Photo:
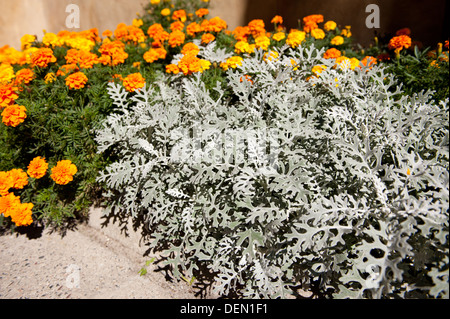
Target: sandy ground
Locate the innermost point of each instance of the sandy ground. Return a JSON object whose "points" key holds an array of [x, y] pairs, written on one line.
{"points": [[91, 262]]}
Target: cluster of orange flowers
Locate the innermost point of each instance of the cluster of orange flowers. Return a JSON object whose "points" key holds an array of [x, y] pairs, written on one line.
{"points": [[10, 204]]}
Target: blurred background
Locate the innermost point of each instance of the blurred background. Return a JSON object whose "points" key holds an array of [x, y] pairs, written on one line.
{"points": [[428, 20]]}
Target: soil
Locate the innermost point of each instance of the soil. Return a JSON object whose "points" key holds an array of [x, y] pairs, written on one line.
{"points": [[95, 260]]}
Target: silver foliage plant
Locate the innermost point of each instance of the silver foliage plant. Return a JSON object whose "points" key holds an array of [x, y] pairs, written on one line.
{"points": [[336, 182]]}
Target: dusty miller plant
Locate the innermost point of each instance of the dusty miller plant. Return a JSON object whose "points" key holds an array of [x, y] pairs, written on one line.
{"points": [[337, 181]]}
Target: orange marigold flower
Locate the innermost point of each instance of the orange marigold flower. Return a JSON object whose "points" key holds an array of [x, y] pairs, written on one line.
{"points": [[369, 61], [332, 53], [66, 69], [107, 33], [172, 68], [7, 95], [8, 202], [190, 48], [177, 25], [42, 57], [154, 29], [256, 27], [193, 28], [37, 167], [113, 53], [129, 33], [21, 214], [311, 22], [63, 172], [155, 54], [179, 15], [13, 115], [241, 33], [317, 18], [76, 81], [400, 42], [201, 12], [24, 76], [176, 38], [215, 24], [277, 19], [133, 82], [18, 178], [5, 183], [189, 64], [85, 59], [207, 38]]}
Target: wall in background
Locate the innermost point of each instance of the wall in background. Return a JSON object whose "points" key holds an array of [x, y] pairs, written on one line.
{"points": [[428, 20]]}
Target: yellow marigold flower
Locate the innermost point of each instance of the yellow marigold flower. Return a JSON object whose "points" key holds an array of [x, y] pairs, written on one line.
{"points": [[5, 183], [51, 39], [179, 15], [346, 32], [279, 36], [6, 73], [76, 81], [318, 34], [295, 38], [37, 167], [330, 25], [244, 47], [50, 77], [176, 38], [13, 115], [318, 69], [24, 76], [201, 12], [21, 214], [133, 82], [155, 1], [346, 63], [42, 57], [262, 42], [332, 53], [18, 178], [277, 20], [26, 41], [137, 22], [207, 38], [7, 95], [337, 40], [165, 12], [270, 56], [155, 54], [8, 202], [63, 172], [232, 62]]}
